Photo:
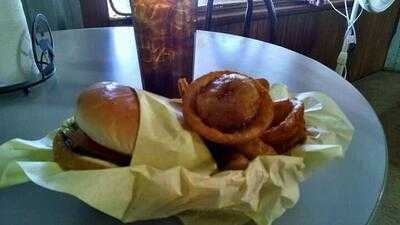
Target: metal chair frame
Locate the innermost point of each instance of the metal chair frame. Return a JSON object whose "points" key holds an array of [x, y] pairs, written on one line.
{"points": [[248, 17]]}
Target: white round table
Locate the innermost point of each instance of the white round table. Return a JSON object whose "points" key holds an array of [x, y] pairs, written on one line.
{"points": [[346, 192]]}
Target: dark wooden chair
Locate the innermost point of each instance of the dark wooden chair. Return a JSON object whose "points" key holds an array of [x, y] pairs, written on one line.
{"points": [[248, 17]]}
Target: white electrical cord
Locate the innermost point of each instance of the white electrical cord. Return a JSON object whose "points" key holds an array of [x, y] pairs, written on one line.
{"points": [[346, 9], [351, 25], [349, 37], [348, 19], [337, 10]]}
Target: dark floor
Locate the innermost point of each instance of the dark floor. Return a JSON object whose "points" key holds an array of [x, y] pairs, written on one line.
{"points": [[382, 90]]}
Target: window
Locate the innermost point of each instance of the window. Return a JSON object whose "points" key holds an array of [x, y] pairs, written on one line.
{"points": [[121, 8]]}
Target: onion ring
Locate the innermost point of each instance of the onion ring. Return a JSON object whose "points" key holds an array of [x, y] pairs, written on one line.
{"points": [[252, 130], [284, 147], [183, 85], [254, 148], [289, 132], [282, 108], [234, 161], [263, 82]]}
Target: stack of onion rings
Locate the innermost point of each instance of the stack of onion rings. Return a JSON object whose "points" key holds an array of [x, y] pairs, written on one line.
{"points": [[278, 126]]}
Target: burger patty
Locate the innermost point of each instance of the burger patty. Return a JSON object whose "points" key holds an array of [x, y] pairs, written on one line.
{"points": [[76, 140]]}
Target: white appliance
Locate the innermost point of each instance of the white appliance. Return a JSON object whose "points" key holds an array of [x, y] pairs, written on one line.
{"points": [[17, 65], [374, 6]]}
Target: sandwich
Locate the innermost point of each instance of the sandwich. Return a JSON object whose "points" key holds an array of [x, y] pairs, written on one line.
{"points": [[104, 129]]}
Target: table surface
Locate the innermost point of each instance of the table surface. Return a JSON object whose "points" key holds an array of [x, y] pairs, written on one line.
{"points": [[345, 192]]}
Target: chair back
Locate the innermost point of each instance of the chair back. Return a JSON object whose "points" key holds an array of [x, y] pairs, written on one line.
{"points": [[271, 14]]}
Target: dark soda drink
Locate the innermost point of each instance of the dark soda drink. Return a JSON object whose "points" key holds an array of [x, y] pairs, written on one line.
{"points": [[165, 35]]}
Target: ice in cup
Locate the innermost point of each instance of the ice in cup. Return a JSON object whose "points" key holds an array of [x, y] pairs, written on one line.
{"points": [[164, 32]]}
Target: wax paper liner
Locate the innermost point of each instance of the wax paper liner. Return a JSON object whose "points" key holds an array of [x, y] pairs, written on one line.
{"points": [[172, 172]]}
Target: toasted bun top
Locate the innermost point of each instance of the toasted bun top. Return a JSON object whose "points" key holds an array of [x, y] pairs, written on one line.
{"points": [[109, 114]]}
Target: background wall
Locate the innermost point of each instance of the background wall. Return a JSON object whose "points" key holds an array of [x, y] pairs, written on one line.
{"points": [[316, 32], [319, 34]]}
